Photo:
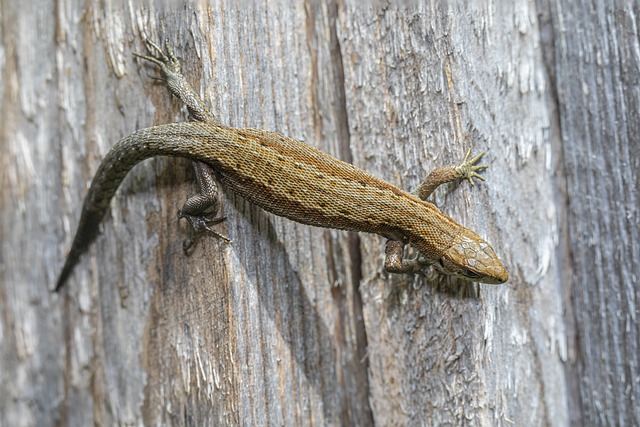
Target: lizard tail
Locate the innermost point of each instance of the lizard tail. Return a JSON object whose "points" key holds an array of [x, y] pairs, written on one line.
{"points": [[87, 232], [172, 140]]}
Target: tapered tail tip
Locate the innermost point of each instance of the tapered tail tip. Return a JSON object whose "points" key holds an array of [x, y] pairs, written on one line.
{"points": [[64, 274]]}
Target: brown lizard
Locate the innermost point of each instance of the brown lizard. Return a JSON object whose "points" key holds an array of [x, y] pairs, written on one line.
{"points": [[294, 180]]}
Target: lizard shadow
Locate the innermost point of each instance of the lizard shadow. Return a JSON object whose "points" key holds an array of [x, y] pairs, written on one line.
{"points": [[289, 303], [286, 300], [316, 364], [455, 288], [419, 292], [258, 223]]}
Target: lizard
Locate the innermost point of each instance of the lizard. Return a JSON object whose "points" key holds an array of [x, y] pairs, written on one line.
{"points": [[291, 179]]}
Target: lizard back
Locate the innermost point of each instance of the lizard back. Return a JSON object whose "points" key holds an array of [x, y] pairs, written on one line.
{"points": [[294, 180]]}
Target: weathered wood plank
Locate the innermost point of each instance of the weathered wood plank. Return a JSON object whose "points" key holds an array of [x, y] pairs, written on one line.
{"points": [[442, 79], [597, 66], [269, 327], [296, 325]]}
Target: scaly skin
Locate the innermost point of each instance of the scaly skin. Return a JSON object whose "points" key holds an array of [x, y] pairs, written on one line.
{"points": [[294, 180]]}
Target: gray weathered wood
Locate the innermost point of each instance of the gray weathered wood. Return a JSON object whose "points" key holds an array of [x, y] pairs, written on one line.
{"points": [[269, 327], [596, 61], [290, 324], [441, 80]]}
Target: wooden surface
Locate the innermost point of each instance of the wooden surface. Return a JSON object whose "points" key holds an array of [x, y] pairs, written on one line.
{"points": [[293, 325], [597, 68]]}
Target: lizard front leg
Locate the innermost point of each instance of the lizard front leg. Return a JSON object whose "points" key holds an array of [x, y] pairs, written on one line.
{"points": [[199, 210], [394, 261], [466, 169]]}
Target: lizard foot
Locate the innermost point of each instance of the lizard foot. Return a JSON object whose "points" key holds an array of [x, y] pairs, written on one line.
{"points": [[467, 169], [395, 262], [168, 63], [199, 225]]}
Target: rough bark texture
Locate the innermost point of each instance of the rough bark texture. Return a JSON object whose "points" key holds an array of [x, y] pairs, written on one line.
{"points": [[443, 80], [596, 63], [293, 325]]}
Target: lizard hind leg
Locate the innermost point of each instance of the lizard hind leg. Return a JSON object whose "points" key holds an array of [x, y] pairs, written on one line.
{"points": [[200, 210]]}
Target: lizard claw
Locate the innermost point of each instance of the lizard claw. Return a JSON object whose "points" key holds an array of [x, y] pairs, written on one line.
{"points": [[200, 224], [467, 168], [168, 62]]}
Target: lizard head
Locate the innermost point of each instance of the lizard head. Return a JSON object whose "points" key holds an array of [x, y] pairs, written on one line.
{"points": [[471, 258]]}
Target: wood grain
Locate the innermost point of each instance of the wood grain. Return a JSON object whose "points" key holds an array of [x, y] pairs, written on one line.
{"points": [[294, 325], [597, 70]]}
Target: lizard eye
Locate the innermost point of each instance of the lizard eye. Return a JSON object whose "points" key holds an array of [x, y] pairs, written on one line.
{"points": [[471, 274]]}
